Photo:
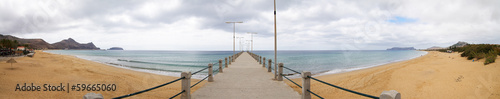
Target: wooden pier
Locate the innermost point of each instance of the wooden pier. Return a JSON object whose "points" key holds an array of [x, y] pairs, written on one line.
{"points": [[245, 78]]}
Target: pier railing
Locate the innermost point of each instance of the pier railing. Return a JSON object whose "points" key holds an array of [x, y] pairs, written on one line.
{"points": [[186, 78], [306, 81]]}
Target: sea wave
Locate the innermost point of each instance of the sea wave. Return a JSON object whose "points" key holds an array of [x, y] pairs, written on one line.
{"points": [[154, 63], [136, 67], [335, 71]]}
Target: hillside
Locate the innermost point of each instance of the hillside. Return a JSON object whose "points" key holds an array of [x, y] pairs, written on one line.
{"points": [[72, 44], [489, 52], [435, 48], [402, 48], [41, 44], [33, 43]]}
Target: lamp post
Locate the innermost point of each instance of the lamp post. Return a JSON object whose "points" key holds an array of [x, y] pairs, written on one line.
{"points": [[251, 34], [248, 45], [275, 55], [234, 32], [241, 44]]}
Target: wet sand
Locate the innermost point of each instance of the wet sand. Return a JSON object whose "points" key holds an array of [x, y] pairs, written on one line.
{"points": [[53, 69], [436, 75]]}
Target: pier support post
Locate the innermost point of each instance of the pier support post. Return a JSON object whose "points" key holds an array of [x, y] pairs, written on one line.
{"points": [[220, 66], [280, 72], [392, 94], [225, 62], [260, 59], [186, 85], [232, 58], [275, 70], [264, 62], [306, 85], [269, 69], [229, 60], [210, 73]]}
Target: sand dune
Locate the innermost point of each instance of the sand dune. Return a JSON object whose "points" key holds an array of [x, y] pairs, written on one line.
{"points": [[433, 76], [46, 68]]}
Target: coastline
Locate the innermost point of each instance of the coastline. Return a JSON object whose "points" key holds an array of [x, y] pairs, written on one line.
{"points": [[128, 67], [337, 71], [47, 68], [111, 61], [434, 75]]}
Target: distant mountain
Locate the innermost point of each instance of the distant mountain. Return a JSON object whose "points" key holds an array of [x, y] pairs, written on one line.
{"points": [[115, 48], [72, 44], [33, 43], [402, 48], [435, 48], [459, 44], [41, 44]]}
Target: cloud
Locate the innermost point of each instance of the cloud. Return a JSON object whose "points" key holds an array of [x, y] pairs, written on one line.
{"points": [[199, 25]]}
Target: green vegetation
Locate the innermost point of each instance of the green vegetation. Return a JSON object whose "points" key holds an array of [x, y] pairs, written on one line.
{"points": [[6, 43], [478, 51], [9, 47], [491, 56]]}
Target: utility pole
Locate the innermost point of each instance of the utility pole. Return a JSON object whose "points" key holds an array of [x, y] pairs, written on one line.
{"points": [[241, 44], [248, 45], [234, 32], [251, 34], [275, 55]]}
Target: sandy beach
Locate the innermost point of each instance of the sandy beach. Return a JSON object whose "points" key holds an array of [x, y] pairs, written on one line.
{"points": [[46, 68], [436, 75]]}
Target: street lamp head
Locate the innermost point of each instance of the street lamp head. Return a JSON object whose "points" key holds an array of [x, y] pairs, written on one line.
{"points": [[234, 22]]}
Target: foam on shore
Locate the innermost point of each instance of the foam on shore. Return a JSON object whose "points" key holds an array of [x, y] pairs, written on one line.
{"points": [[335, 71]]}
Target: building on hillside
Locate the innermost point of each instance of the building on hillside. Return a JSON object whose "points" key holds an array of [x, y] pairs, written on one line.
{"points": [[21, 48]]}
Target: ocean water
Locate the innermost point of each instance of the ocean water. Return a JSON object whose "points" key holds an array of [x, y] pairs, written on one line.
{"points": [[172, 63], [337, 61]]}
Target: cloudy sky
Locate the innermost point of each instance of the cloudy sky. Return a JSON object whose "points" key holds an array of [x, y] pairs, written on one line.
{"points": [[301, 24]]}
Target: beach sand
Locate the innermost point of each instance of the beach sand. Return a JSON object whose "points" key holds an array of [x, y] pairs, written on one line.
{"points": [[436, 75], [46, 68]]}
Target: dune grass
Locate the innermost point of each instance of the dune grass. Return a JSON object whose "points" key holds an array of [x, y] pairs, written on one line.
{"points": [[489, 52]]}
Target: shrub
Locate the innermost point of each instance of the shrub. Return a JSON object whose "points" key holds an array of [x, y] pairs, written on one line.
{"points": [[470, 57], [479, 56], [442, 50], [498, 51], [491, 57], [465, 53], [479, 51]]}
